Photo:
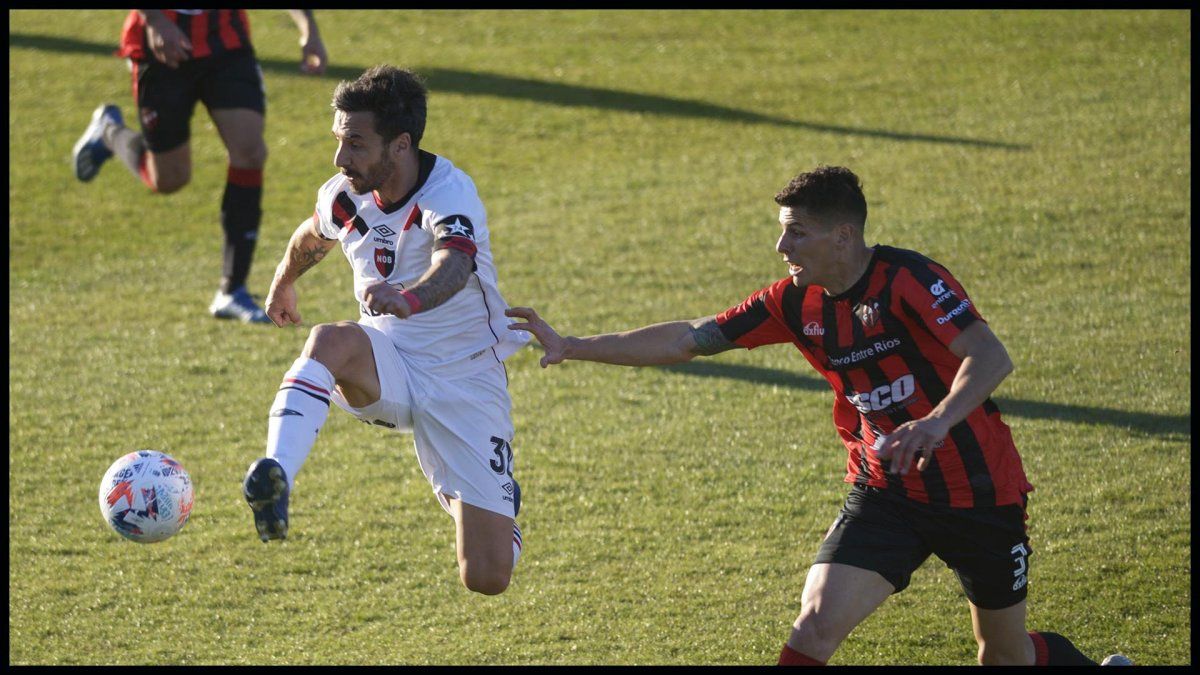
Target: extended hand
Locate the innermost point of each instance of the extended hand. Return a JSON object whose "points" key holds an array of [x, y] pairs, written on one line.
{"points": [[909, 440], [281, 305], [312, 55], [168, 44], [554, 344]]}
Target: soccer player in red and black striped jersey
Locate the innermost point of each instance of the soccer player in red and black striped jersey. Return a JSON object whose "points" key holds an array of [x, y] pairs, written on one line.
{"points": [[932, 466], [179, 57]]}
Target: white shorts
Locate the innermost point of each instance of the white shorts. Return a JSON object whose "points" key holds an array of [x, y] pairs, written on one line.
{"points": [[462, 426]]}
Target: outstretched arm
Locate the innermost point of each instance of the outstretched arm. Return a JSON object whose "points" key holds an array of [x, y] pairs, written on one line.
{"points": [[305, 249], [655, 345], [312, 50]]}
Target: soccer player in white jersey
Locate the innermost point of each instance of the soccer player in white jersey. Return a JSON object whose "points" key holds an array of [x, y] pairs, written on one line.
{"points": [[427, 352]]}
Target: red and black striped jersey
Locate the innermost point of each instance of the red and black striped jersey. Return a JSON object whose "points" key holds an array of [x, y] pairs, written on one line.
{"points": [[883, 345], [211, 31]]}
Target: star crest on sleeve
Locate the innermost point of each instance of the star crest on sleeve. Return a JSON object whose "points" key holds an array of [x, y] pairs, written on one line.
{"points": [[457, 226]]}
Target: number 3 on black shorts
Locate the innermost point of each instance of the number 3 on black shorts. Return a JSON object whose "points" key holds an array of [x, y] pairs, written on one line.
{"points": [[1020, 553]]}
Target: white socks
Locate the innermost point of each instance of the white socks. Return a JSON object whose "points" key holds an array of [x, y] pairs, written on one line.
{"points": [[518, 542], [299, 411]]}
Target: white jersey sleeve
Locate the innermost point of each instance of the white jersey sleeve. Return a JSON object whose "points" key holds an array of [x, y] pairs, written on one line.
{"points": [[323, 212], [453, 215]]}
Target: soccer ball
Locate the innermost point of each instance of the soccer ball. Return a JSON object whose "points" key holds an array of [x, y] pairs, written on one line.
{"points": [[146, 496]]}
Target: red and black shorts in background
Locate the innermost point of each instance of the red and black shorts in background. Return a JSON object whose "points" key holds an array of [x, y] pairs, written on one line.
{"points": [[166, 97], [987, 547]]}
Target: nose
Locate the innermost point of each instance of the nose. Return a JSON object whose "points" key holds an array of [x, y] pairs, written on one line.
{"points": [[341, 158], [783, 246]]}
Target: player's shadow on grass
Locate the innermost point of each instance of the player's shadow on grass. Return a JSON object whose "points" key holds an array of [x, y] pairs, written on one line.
{"points": [[472, 83], [572, 95], [1172, 427]]}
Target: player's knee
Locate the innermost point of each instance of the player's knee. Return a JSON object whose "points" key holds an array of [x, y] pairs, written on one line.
{"points": [[333, 344], [987, 656], [815, 636], [166, 179], [484, 577], [483, 572], [249, 155], [170, 182]]}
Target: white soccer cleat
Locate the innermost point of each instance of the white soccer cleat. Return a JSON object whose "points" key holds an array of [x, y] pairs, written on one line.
{"points": [[1116, 660], [90, 151]]}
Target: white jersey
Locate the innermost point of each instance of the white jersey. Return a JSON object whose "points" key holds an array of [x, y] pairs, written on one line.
{"points": [[396, 243]]}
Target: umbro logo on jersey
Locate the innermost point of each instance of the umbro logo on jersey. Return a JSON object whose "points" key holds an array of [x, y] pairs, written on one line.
{"points": [[812, 328], [384, 231], [455, 226]]}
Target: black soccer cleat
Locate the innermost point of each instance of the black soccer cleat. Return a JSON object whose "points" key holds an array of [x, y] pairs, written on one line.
{"points": [[266, 490]]}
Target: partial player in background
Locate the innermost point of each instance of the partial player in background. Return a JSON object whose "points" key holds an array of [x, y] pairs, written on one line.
{"points": [[913, 365], [179, 57], [427, 353]]}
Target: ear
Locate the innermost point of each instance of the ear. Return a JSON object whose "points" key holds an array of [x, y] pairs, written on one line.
{"points": [[401, 143], [843, 234]]}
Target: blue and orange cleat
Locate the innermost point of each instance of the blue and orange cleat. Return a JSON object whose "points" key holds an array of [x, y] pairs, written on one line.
{"points": [[266, 490], [90, 151]]}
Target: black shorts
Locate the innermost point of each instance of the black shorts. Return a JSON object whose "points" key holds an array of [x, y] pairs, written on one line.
{"points": [[987, 548], [166, 97]]}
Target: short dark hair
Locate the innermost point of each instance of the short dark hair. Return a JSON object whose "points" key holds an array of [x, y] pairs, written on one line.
{"points": [[396, 97], [827, 192]]}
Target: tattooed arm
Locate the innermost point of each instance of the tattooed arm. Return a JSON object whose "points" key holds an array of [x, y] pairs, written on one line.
{"points": [[306, 248], [446, 276], [656, 345]]}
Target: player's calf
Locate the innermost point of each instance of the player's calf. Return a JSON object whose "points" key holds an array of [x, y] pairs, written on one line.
{"points": [[814, 637], [1006, 653]]}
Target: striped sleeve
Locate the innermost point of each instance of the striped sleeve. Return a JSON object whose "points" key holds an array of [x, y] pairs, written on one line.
{"points": [[323, 213], [933, 297], [753, 323]]}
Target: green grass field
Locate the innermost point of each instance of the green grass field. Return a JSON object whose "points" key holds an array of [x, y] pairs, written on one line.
{"points": [[628, 162]]}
